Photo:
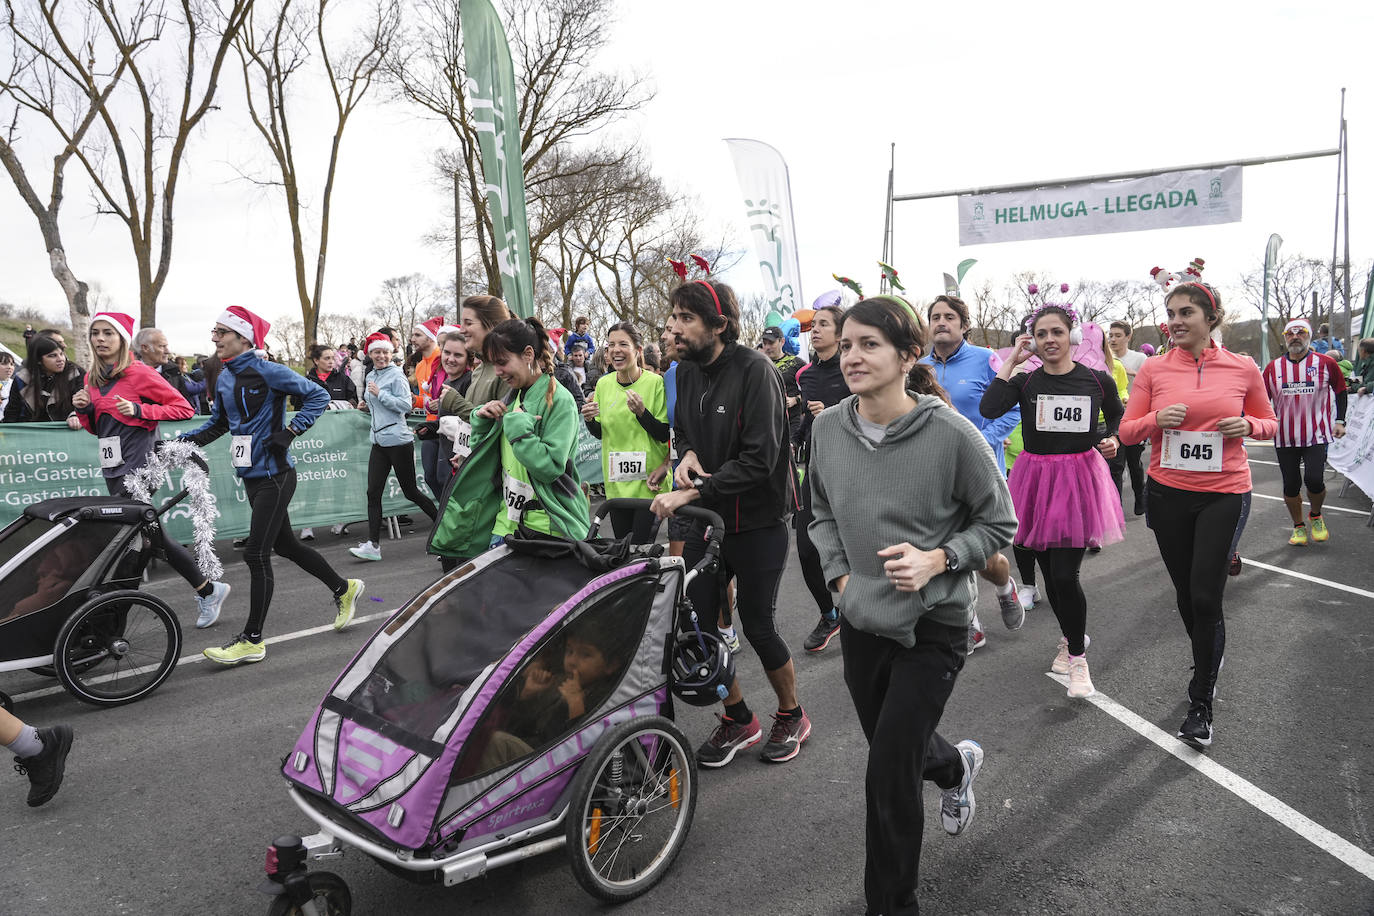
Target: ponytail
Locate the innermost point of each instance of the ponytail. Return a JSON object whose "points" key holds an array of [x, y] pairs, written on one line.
{"points": [[515, 335], [921, 379]]}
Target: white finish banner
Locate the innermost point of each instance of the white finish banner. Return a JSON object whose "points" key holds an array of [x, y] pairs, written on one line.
{"points": [[767, 193], [1353, 454], [1201, 197]]}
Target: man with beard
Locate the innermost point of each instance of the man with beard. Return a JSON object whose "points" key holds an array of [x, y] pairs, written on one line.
{"points": [[731, 435]]}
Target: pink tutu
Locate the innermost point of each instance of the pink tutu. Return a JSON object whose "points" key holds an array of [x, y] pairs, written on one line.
{"points": [[1065, 501]]}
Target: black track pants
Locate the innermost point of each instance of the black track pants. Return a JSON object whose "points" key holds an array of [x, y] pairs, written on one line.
{"points": [[380, 463]]}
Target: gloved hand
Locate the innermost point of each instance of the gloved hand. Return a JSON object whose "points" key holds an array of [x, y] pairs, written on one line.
{"points": [[282, 438]]}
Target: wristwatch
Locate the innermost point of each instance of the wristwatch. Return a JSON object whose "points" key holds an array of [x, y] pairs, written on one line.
{"points": [[951, 559]]}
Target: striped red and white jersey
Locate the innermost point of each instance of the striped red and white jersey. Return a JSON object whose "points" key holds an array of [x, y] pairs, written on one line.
{"points": [[1303, 392]]}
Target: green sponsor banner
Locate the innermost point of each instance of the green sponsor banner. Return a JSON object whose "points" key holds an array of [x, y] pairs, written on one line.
{"points": [[495, 109], [588, 459], [41, 461]]}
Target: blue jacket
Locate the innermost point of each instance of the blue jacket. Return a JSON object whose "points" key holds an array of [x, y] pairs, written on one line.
{"points": [[389, 407], [574, 337], [966, 375], [250, 400]]}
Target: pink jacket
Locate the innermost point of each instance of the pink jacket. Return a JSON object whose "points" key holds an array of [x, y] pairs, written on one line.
{"points": [[145, 386], [1221, 384]]}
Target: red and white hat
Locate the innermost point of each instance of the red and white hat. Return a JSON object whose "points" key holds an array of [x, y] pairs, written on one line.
{"points": [[245, 324], [431, 328], [377, 340], [450, 329], [122, 323]]}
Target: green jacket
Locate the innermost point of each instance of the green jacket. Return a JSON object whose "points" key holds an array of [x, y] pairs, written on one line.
{"points": [[1364, 370], [545, 444]]}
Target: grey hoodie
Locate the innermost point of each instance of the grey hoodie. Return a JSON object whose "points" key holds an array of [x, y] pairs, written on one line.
{"points": [[932, 482]]}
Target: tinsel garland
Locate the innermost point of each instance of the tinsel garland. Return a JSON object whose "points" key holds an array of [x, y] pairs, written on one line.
{"points": [[144, 482]]}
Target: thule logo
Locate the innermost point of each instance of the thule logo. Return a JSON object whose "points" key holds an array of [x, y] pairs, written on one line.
{"points": [[110, 511]]}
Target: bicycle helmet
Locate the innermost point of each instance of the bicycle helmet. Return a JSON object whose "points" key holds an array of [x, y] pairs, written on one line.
{"points": [[703, 669]]}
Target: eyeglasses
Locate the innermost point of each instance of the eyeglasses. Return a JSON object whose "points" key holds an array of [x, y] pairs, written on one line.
{"points": [[216, 333]]}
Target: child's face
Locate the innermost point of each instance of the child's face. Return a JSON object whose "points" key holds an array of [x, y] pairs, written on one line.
{"points": [[584, 661]]}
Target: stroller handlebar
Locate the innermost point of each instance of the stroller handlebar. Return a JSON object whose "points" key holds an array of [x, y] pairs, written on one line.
{"points": [[715, 526]]}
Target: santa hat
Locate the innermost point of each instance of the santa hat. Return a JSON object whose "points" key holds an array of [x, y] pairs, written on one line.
{"points": [[431, 328], [1293, 325], [122, 323], [378, 340], [247, 325], [449, 329]]}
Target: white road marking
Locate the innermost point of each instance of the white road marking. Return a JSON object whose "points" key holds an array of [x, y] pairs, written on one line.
{"points": [[1319, 581], [198, 657], [1324, 508], [1272, 464], [1332, 844]]}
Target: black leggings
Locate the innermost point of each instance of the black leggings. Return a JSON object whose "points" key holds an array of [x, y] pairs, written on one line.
{"points": [[270, 530], [178, 557], [638, 523], [1060, 566], [1302, 465], [1194, 532], [1128, 459], [756, 560], [1025, 563], [1245, 499], [380, 463], [810, 559]]}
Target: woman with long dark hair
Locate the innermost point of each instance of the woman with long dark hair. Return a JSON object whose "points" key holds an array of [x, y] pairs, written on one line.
{"points": [[49, 381], [325, 371], [908, 503]]}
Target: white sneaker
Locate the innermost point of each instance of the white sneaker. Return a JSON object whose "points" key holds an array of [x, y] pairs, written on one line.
{"points": [[307, 534], [1080, 682], [366, 551], [338, 530], [1060, 665], [1029, 595], [212, 605], [957, 805]]}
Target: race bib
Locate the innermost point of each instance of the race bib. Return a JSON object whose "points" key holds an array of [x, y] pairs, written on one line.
{"points": [[1191, 450], [627, 466], [111, 455], [518, 495], [1292, 389], [672, 444], [462, 438], [241, 449], [1063, 413]]}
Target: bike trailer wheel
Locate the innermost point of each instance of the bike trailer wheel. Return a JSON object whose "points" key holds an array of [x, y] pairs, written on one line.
{"points": [[330, 896], [117, 648]]}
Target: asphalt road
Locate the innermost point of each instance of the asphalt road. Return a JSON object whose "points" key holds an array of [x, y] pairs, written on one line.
{"points": [[169, 803]]}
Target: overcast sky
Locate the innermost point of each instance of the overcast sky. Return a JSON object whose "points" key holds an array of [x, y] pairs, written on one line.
{"points": [[973, 94]]}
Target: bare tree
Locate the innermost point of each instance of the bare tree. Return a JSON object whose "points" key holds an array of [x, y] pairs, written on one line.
{"points": [[134, 147], [563, 98], [275, 47], [1296, 280], [405, 302]]}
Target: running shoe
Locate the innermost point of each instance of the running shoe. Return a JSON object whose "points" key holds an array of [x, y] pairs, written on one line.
{"points": [[405, 521], [46, 768], [1318, 524], [1013, 614], [727, 740], [1060, 665], [957, 806], [1029, 595], [339, 530], [1197, 728], [730, 637], [1080, 682], [366, 551], [1139, 504], [238, 651], [211, 605], [240, 543], [977, 639], [825, 630], [347, 604], [1299, 536], [307, 534], [786, 737], [1234, 570]]}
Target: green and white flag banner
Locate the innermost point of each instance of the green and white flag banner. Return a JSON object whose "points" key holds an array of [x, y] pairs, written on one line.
{"points": [[1198, 197], [767, 194], [495, 111]]}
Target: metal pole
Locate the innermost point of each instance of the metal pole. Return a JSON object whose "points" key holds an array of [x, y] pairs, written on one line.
{"points": [[1345, 155], [1115, 176], [457, 253], [1336, 229]]}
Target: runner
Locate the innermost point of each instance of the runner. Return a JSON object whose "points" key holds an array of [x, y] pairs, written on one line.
{"points": [[822, 385], [39, 753], [528, 441], [787, 365], [629, 414], [965, 371], [1301, 384], [121, 404], [480, 315], [1129, 458], [1197, 402], [393, 444], [1063, 492], [730, 427], [908, 498], [250, 405]]}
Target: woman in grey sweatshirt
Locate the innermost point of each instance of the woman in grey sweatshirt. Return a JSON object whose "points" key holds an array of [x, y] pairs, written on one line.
{"points": [[908, 505]]}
